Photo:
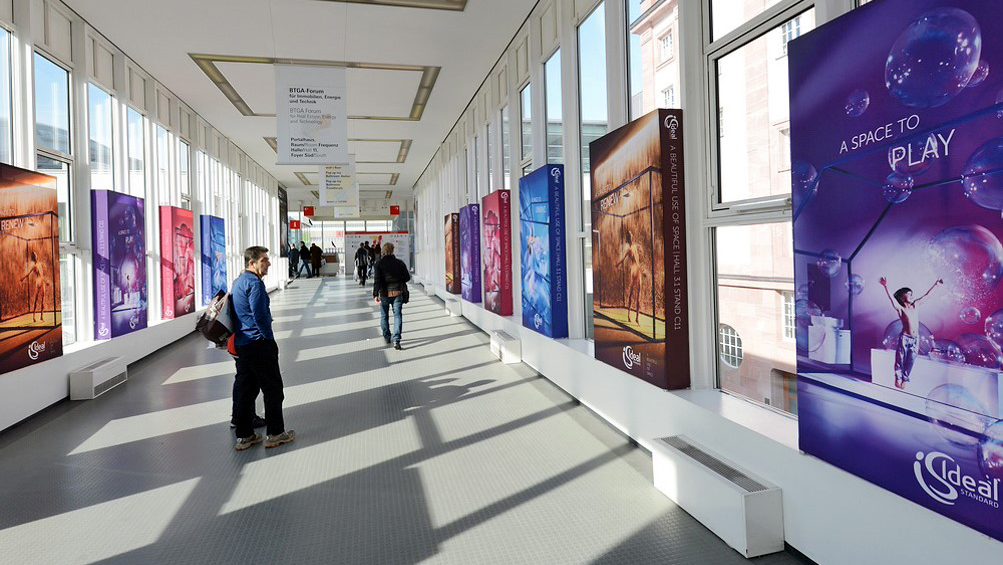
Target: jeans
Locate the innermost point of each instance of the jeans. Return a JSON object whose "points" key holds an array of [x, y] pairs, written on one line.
{"points": [[905, 355], [309, 272], [397, 302], [258, 371]]}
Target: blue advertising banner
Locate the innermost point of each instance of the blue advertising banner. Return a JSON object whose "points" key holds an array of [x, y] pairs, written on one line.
{"points": [[541, 239], [897, 185], [213, 256], [119, 234]]}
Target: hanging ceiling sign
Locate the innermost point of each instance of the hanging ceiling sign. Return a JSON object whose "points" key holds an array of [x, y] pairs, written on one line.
{"points": [[343, 212], [337, 184], [311, 115], [308, 210]]}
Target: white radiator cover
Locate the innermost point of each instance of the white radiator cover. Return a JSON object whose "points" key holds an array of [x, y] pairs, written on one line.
{"points": [[98, 378], [743, 510]]}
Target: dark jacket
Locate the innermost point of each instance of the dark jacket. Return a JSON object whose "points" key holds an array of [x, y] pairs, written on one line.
{"points": [[316, 254], [304, 254], [362, 257], [294, 256], [389, 275]]}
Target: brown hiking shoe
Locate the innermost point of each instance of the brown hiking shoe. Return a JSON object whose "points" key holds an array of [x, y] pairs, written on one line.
{"points": [[245, 442], [284, 437]]}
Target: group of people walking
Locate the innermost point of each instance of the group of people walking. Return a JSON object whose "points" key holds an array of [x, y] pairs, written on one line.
{"points": [[253, 342], [365, 259], [303, 257]]}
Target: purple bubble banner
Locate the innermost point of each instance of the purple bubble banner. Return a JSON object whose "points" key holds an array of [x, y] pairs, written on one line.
{"points": [[897, 186], [120, 291], [470, 252]]}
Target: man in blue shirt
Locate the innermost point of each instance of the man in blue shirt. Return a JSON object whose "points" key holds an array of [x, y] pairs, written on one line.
{"points": [[257, 354]]}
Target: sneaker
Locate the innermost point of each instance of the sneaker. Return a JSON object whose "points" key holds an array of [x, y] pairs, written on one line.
{"points": [[284, 437], [387, 339], [257, 422], [397, 345], [245, 442]]}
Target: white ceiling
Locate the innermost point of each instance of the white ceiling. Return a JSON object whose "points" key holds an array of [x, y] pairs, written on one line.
{"points": [[159, 35]]}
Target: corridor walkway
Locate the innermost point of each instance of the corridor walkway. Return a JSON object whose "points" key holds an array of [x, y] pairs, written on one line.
{"points": [[434, 454]]}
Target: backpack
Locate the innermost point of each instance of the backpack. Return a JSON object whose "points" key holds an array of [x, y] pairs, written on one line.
{"points": [[216, 323]]}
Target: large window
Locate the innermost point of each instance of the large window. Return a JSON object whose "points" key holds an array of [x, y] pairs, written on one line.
{"points": [[506, 149], [490, 148], [52, 105], [184, 180], [6, 110], [755, 275], [754, 113], [137, 148], [653, 69], [553, 119], [99, 117], [594, 123], [526, 110], [165, 188]]}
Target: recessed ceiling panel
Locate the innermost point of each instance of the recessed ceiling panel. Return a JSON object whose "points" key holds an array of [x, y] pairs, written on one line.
{"points": [[375, 151], [373, 92], [456, 5], [254, 83], [375, 178]]}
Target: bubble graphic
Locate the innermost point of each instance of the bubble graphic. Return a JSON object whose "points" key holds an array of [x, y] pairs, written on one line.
{"points": [[981, 73], [897, 188], [952, 408], [894, 329], [970, 315], [947, 350], [804, 177], [830, 263], [969, 258], [857, 103], [804, 310], [994, 328], [934, 58], [982, 176], [979, 351], [991, 451], [854, 285], [910, 157], [999, 100], [802, 292]]}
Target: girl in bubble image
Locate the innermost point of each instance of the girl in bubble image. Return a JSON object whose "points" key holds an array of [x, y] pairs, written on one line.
{"points": [[37, 290], [908, 342], [632, 253]]}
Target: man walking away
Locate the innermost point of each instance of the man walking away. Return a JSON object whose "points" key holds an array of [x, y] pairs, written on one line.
{"points": [[305, 259], [374, 256], [257, 354], [362, 263], [316, 256], [390, 278], [294, 261]]}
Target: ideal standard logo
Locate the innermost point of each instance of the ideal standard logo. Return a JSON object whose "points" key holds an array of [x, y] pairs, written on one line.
{"points": [[672, 124], [942, 479], [35, 349], [630, 358], [537, 320], [556, 173]]}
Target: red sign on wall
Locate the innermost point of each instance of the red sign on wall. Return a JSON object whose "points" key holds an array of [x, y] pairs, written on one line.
{"points": [[395, 210], [308, 210], [295, 224]]}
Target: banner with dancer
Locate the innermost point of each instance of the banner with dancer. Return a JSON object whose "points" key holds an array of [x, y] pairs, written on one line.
{"points": [[451, 229]]}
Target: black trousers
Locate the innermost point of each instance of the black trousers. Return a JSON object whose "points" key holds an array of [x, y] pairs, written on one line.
{"points": [[361, 270], [258, 371]]}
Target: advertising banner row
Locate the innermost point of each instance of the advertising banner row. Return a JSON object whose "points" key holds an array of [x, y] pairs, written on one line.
{"points": [[30, 296], [638, 251]]}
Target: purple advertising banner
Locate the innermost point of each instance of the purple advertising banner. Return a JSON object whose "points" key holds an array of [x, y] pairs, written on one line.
{"points": [[119, 263], [470, 252], [897, 185]]}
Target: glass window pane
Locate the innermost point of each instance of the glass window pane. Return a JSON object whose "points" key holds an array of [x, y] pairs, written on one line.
{"points": [[526, 106], [164, 188], [52, 105], [755, 277], [754, 115], [654, 60], [594, 120], [727, 15], [99, 108], [183, 167], [137, 145], [490, 147], [506, 150], [67, 278], [477, 171], [6, 112], [61, 171], [554, 120]]}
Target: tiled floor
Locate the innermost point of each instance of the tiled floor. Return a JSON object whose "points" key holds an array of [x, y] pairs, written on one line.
{"points": [[434, 454]]}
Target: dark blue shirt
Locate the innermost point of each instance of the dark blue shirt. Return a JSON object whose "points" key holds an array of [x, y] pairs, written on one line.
{"points": [[251, 312]]}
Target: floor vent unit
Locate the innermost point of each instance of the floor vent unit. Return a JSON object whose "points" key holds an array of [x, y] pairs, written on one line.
{"points": [[98, 378], [506, 347], [742, 509]]}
